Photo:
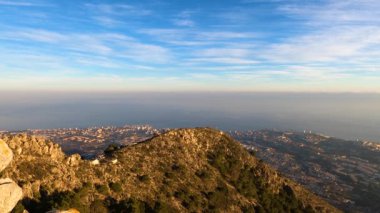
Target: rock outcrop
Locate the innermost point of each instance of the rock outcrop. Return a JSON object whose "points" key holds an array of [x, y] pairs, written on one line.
{"points": [[6, 155], [10, 192]]}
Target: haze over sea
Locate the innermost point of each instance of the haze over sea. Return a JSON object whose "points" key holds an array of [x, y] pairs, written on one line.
{"points": [[343, 115]]}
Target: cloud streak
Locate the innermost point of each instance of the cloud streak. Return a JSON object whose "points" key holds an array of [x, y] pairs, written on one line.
{"points": [[103, 44], [21, 4]]}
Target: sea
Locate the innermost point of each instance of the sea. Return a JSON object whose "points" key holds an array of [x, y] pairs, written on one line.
{"points": [[352, 116]]}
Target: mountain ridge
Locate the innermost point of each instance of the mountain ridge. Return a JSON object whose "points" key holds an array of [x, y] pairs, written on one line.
{"points": [[182, 170]]}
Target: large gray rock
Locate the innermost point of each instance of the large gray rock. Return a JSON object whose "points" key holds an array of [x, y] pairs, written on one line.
{"points": [[6, 155], [10, 194]]}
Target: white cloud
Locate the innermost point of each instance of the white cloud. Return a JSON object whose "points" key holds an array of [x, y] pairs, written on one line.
{"points": [[118, 9], [102, 44], [113, 15], [365, 12], [20, 3], [179, 37], [204, 76], [185, 37], [311, 73], [224, 35], [146, 53], [327, 45], [223, 60], [107, 21], [33, 34], [223, 52], [183, 19], [183, 22]]}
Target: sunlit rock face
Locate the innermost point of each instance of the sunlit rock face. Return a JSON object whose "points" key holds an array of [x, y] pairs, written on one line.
{"points": [[10, 192], [6, 155]]}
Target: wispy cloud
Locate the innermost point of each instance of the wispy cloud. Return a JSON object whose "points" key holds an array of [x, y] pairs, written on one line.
{"points": [[227, 55], [183, 19], [336, 12], [223, 60], [183, 22], [146, 53], [107, 21], [327, 45], [224, 52], [118, 9], [20, 3], [224, 35], [102, 44], [38, 35], [113, 15], [184, 37]]}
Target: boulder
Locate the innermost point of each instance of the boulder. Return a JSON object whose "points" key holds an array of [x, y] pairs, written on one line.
{"points": [[10, 194], [95, 162], [6, 155]]}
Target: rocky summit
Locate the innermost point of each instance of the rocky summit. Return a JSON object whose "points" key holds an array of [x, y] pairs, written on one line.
{"points": [[183, 170]]}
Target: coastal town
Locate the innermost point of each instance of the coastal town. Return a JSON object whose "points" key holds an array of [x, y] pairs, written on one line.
{"points": [[346, 173], [92, 141]]}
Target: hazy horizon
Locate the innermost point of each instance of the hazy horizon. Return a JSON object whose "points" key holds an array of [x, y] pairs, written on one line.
{"points": [[343, 115]]}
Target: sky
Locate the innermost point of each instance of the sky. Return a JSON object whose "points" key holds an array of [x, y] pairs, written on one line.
{"points": [[208, 45]]}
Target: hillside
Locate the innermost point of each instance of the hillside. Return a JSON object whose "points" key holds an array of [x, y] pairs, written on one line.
{"points": [[345, 173], [185, 170]]}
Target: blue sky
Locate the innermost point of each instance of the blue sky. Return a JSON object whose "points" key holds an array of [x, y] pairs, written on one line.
{"points": [[209, 45]]}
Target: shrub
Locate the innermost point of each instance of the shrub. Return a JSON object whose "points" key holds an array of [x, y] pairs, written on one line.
{"points": [[98, 206], [143, 178], [203, 174], [116, 187], [102, 189], [111, 148]]}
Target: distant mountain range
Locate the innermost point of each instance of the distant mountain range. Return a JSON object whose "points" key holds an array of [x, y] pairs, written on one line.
{"points": [[184, 170]]}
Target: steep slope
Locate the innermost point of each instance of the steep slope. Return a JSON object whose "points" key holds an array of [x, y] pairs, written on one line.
{"points": [[185, 170]]}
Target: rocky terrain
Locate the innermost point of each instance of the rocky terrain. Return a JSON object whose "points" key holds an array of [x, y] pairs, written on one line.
{"points": [[185, 170]]}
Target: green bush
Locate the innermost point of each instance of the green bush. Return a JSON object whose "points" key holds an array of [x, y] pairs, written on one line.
{"points": [[111, 148], [131, 205], [161, 207], [143, 178], [98, 206], [116, 187], [203, 174], [102, 189], [189, 200]]}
